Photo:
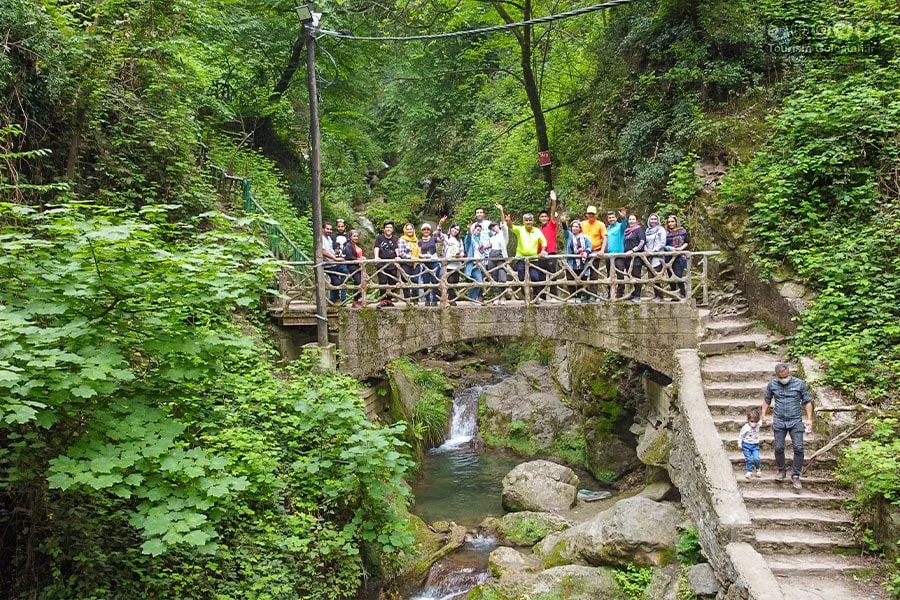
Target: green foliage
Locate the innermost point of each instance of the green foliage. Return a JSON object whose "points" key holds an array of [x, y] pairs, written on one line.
{"points": [[660, 70], [633, 580], [683, 187], [892, 585], [823, 200], [156, 437], [430, 418], [688, 550], [269, 188], [872, 465], [516, 352], [684, 589], [571, 447]]}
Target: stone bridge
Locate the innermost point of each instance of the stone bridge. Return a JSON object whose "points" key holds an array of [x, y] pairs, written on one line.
{"points": [[369, 338], [545, 300]]}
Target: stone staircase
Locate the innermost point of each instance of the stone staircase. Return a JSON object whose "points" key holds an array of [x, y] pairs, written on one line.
{"points": [[804, 535]]}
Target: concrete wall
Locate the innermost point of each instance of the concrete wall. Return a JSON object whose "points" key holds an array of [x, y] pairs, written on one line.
{"points": [[700, 468], [369, 338]]}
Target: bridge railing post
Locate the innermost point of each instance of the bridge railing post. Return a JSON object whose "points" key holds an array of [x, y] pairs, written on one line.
{"points": [[688, 285], [527, 290], [613, 277], [443, 290], [704, 274]]}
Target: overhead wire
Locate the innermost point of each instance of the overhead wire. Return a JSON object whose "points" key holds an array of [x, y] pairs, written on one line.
{"points": [[345, 35]]}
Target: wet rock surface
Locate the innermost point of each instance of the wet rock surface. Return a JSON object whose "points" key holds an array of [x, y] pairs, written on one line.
{"points": [[541, 486], [634, 531]]}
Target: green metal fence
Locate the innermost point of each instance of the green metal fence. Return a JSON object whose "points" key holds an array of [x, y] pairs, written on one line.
{"points": [[228, 187]]}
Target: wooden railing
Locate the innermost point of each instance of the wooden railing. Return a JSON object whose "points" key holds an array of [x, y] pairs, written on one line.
{"points": [[663, 276]]}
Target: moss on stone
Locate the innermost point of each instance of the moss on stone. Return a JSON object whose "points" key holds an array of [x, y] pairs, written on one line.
{"points": [[657, 453], [556, 556]]}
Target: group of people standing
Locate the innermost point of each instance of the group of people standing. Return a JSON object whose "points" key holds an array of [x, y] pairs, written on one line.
{"points": [[482, 252]]}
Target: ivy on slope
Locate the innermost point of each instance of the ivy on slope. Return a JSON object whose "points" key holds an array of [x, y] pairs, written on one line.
{"points": [[147, 449], [823, 202], [271, 190]]}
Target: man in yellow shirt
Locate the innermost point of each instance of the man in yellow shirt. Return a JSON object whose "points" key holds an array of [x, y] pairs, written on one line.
{"points": [[596, 232], [531, 243]]}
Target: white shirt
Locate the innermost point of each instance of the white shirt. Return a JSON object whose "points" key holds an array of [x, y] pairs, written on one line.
{"points": [[327, 247], [499, 240]]}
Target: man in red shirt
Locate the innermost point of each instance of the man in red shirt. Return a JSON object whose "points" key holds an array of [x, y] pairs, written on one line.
{"points": [[549, 227]]}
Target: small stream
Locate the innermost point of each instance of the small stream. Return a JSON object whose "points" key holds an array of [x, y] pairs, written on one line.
{"points": [[459, 481], [462, 483]]}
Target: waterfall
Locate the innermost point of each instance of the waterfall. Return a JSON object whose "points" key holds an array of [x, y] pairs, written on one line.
{"points": [[464, 416]]}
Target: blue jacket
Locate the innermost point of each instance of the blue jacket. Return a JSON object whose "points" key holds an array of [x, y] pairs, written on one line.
{"points": [[615, 236]]}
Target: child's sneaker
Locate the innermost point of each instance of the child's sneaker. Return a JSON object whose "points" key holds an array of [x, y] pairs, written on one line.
{"points": [[747, 475], [759, 472]]}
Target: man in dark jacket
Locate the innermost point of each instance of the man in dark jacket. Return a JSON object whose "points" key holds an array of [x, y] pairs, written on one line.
{"points": [[792, 398]]}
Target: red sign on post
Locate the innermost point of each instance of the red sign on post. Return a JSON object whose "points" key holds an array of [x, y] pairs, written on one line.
{"points": [[544, 158]]}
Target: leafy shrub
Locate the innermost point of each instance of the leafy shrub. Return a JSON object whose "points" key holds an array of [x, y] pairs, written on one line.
{"points": [[688, 550], [430, 418], [167, 454], [633, 580], [525, 532], [872, 466]]}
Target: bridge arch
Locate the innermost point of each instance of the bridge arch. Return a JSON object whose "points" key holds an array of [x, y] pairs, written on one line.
{"points": [[368, 339]]}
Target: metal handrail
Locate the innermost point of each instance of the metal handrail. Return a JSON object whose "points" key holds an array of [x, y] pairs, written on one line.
{"points": [[279, 243]]}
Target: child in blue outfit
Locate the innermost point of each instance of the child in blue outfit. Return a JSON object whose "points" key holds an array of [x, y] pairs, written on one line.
{"points": [[748, 440]]}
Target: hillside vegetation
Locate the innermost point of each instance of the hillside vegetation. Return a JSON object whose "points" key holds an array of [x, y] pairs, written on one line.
{"points": [[149, 442]]}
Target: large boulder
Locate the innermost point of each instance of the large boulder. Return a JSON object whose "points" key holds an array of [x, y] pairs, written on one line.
{"points": [[541, 486], [506, 561], [702, 581], [526, 528], [634, 531], [571, 582], [525, 411], [665, 584], [429, 548]]}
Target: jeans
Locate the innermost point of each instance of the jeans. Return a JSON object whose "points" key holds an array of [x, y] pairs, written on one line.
{"points": [[337, 275], [430, 274], [411, 293], [534, 274], [751, 455], [476, 274], [796, 441]]}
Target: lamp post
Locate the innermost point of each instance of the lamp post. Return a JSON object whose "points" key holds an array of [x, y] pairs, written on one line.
{"points": [[306, 16]]}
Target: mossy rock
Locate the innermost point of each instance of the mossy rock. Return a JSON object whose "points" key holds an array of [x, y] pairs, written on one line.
{"points": [[527, 528]]}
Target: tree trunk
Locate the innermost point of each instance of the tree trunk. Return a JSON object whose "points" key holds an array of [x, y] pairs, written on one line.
{"points": [[524, 37]]}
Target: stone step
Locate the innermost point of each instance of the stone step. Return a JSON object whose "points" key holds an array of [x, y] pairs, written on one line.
{"points": [[735, 407], [721, 327], [813, 519], [744, 366], [755, 389], [792, 540], [848, 586], [823, 462], [813, 479], [818, 564], [786, 496], [743, 342], [811, 443]]}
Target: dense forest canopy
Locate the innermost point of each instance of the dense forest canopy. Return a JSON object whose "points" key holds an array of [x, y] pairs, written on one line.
{"points": [[149, 443]]}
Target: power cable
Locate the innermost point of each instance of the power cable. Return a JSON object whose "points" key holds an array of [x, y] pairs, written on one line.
{"points": [[345, 35]]}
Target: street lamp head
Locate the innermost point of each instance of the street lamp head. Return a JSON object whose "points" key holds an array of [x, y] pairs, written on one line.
{"points": [[304, 13]]}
